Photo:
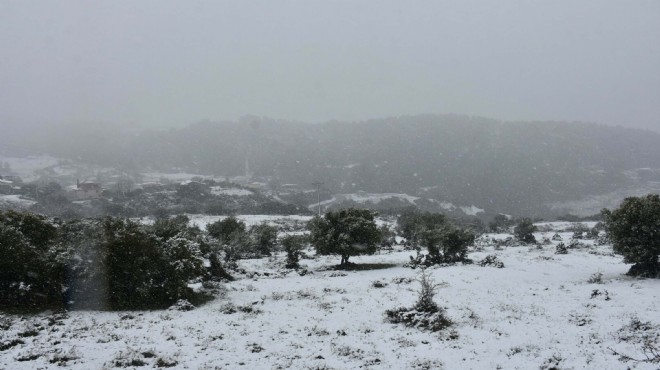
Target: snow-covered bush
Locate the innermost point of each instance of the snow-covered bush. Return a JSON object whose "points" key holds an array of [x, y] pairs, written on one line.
{"points": [[31, 272], [425, 314], [524, 231], [95, 264], [561, 249], [595, 278], [645, 337], [491, 260]]}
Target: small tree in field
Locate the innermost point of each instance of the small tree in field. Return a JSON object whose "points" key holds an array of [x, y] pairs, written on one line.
{"points": [[500, 223], [232, 237], [293, 245], [348, 232], [264, 238], [223, 230], [524, 231], [412, 225], [634, 229]]}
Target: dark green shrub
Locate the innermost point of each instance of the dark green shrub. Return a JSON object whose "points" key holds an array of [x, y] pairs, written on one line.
{"points": [[264, 238], [293, 246], [31, 274], [167, 227], [93, 264], [145, 271], [524, 231], [224, 229], [634, 230], [561, 249], [411, 225], [445, 245], [501, 223], [348, 232]]}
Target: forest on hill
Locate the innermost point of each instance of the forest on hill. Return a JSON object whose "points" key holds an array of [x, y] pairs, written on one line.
{"points": [[510, 167]]}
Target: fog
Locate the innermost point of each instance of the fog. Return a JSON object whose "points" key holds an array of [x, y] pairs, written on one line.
{"points": [[166, 63]]}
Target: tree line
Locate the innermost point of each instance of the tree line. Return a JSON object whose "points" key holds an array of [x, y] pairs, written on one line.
{"points": [[114, 263]]}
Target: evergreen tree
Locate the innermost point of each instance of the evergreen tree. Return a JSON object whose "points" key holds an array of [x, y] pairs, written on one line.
{"points": [[293, 246], [348, 232], [223, 229], [634, 229], [264, 238], [31, 275], [524, 231], [412, 225]]}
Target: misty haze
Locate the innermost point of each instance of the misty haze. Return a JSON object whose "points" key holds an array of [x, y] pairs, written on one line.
{"points": [[329, 184]]}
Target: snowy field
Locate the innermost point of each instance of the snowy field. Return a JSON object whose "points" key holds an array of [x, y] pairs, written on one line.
{"points": [[28, 167], [539, 311], [15, 202]]}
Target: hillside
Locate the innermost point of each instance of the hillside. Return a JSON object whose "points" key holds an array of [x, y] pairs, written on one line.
{"points": [[533, 168]]}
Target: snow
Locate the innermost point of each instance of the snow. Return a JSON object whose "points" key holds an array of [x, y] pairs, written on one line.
{"points": [[15, 201], [537, 308], [218, 190], [26, 167], [471, 210], [362, 198], [155, 177], [563, 225], [593, 204], [202, 220]]}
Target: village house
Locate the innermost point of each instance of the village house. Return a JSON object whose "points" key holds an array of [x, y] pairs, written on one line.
{"points": [[85, 191]]}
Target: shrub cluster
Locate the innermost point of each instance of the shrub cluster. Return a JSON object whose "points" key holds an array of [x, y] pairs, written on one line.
{"points": [[561, 249], [444, 242], [491, 260], [236, 241], [524, 231], [104, 263]]}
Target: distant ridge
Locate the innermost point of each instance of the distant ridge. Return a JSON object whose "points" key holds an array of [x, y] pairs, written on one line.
{"points": [[510, 167]]}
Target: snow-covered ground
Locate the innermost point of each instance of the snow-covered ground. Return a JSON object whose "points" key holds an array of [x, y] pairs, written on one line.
{"points": [[156, 177], [362, 198], [471, 210], [593, 204], [218, 190], [539, 311], [376, 198], [15, 202], [202, 220], [27, 167]]}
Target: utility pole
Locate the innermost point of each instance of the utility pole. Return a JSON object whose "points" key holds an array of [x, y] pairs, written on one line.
{"points": [[318, 194]]}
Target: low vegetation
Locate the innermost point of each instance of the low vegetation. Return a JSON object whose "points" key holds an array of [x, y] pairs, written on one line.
{"points": [[103, 263], [348, 232], [118, 264], [634, 230], [425, 314]]}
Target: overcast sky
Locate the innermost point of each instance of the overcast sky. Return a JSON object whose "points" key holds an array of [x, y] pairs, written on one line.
{"points": [[171, 63]]}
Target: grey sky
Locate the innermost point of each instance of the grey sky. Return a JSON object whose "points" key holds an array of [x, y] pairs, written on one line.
{"points": [[173, 63]]}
